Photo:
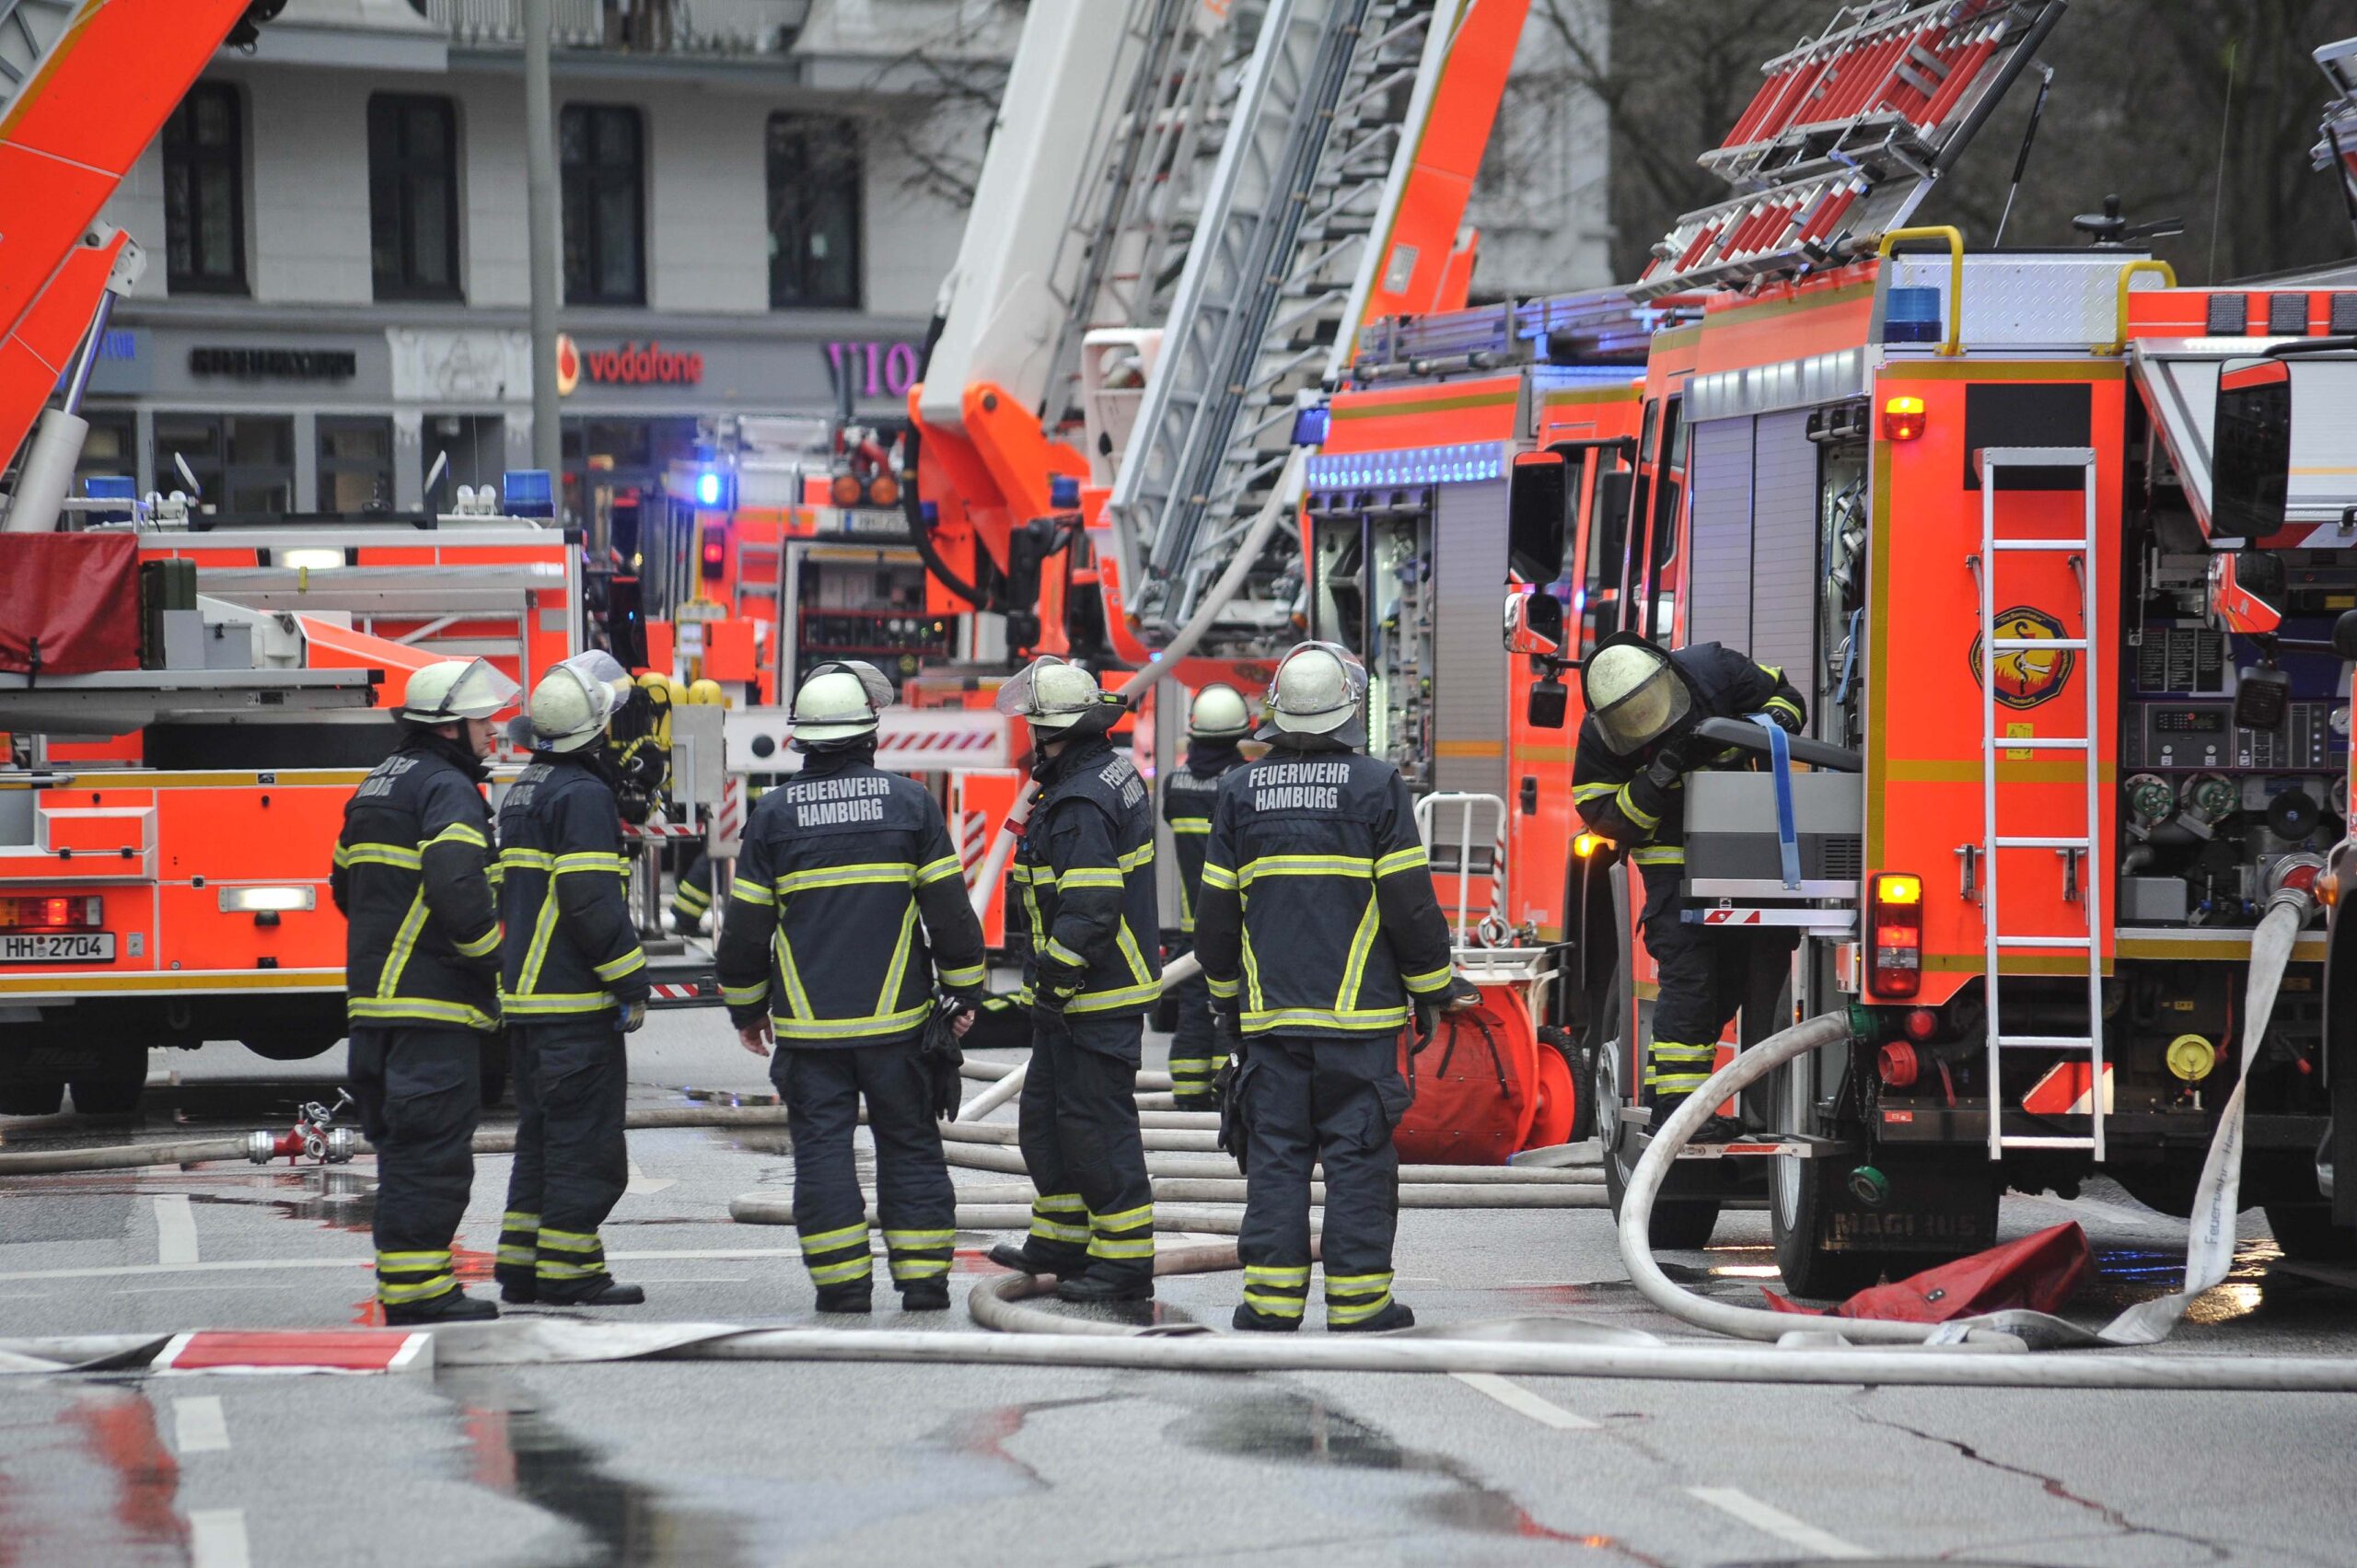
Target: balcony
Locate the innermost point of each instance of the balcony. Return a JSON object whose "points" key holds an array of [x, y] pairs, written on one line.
{"points": [[707, 29]]}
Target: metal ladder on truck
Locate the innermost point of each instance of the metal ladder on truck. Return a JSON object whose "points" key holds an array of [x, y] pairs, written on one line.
{"points": [[2076, 849]]}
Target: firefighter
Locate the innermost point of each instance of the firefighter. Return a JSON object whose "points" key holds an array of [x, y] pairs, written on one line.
{"points": [[1215, 725], [821, 953], [691, 898], [412, 877], [1636, 747], [1086, 870], [575, 983], [1318, 931]]}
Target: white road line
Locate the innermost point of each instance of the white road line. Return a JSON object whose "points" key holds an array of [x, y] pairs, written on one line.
{"points": [[642, 1183], [175, 1229], [216, 1539], [124, 1271], [198, 1425], [1522, 1401], [1775, 1521]]}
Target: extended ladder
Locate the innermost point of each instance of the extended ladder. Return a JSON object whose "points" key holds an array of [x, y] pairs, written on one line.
{"points": [[2077, 850]]}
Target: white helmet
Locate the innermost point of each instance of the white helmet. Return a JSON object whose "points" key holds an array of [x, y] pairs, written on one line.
{"points": [[1636, 693], [573, 703], [1218, 714], [1051, 693], [840, 701], [454, 689], [1317, 690]]}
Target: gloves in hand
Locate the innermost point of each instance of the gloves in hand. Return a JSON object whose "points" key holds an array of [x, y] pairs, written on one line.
{"points": [[1231, 1105], [634, 1016], [1047, 1014], [942, 1058]]}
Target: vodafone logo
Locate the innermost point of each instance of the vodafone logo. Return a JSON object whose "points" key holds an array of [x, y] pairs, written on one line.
{"points": [[629, 365], [568, 365]]}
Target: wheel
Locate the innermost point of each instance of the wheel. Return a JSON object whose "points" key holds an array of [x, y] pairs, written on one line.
{"points": [[1802, 1196], [112, 1088], [2306, 1233], [32, 1099], [289, 1048], [1676, 1224], [1559, 1097]]}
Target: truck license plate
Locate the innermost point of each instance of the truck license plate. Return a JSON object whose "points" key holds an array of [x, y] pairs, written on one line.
{"points": [[57, 948]]}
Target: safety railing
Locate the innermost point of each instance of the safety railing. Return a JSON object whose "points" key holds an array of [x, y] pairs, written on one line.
{"points": [[1953, 239], [638, 27], [1460, 858]]}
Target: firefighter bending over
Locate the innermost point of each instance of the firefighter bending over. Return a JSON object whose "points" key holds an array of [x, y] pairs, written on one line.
{"points": [[412, 877], [1316, 929], [1087, 871], [1635, 748], [823, 953], [1215, 725], [576, 983]]}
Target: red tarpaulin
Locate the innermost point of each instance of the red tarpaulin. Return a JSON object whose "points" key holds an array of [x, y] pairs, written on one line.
{"points": [[2037, 1274], [69, 602]]}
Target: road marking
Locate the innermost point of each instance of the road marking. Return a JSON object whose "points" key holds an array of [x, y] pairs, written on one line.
{"points": [[1775, 1521], [1522, 1401], [198, 1425], [121, 1270], [175, 1229], [216, 1539], [642, 1183]]}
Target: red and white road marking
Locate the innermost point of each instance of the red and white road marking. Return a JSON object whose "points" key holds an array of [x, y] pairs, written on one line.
{"points": [[298, 1350]]}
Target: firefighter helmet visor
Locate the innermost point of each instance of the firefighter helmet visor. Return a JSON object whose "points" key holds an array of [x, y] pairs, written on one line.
{"points": [[1318, 688], [1219, 714], [457, 690], [1636, 693], [1051, 695], [572, 705], [840, 701]]}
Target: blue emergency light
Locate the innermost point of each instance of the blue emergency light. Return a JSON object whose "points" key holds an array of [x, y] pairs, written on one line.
{"points": [[707, 489], [1063, 492], [530, 491]]}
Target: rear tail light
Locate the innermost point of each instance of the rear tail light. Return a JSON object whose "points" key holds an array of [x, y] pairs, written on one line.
{"points": [[1895, 936], [78, 912]]}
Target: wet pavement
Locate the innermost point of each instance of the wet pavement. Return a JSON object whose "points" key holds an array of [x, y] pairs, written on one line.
{"points": [[696, 1463]]}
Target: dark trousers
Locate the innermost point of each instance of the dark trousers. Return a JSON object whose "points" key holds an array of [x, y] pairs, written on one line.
{"points": [[1304, 1101], [1197, 1053], [823, 1086], [420, 1091], [1703, 974], [572, 1160], [1078, 1128]]}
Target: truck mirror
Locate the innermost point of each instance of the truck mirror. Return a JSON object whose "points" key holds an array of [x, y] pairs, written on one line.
{"points": [[1534, 623], [1549, 700], [2250, 442], [1537, 488]]}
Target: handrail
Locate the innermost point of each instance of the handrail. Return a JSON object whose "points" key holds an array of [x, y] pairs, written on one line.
{"points": [[2142, 264], [1954, 239]]}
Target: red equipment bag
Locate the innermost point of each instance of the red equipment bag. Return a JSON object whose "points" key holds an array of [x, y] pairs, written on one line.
{"points": [[1485, 1086], [69, 603], [2037, 1274]]}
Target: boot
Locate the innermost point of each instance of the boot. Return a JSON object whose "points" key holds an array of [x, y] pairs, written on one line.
{"points": [[1393, 1316], [925, 1295], [1195, 1102], [1096, 1289], [850, 1296], [598, 1290], [1019, 1257], [517, 1287], [453, 1305], [1261, 1322]]}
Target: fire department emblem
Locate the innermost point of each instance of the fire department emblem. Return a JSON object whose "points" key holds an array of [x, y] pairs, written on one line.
{"points": [[2027, 676]]}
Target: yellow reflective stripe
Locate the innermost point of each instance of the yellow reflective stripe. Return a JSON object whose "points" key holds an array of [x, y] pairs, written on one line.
{"points": [[543, 933], [870, 873], [840, 1029], [592, 860], [1103, 1000], [521, 1257], [1126, 941], [690, 897], [1274, 1305], [1659, 854], [515, 1221], [568, 1240], [405, 942], [889, 996], [614, 968], [1593, 791], [1362, 943], [962, 978], [835, 1240], [1063, 955], [798, 1000], [1138, 858], [561, 1002], [1190, 825], [1021, 871], [425, 1008], [1099, 1247], [1089, 876], [401, 1294], [1401, 860], [1632, 810], [1683, 1082], [1370, 1019], [411, 1262], [1060, 1203], [1276, 1274], [1031, 909], [549, 1269], [745, 890], [1784, 702], [482, 946], [1252, 972], [1307, 865], [528, 859], [941, 870], [860, 1268], [1431, 980], [456, 833], [1223, 989], [919, 1237], [745, 995], [380, 855], [1355, 1311], [1355, 1284], [343, 856], [1049, 1230], [1125, 1219], [1218, 876]]}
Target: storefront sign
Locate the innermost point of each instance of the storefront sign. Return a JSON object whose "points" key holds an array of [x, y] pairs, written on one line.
{"points": [[275, 364], [877, 368], [630, 366]]}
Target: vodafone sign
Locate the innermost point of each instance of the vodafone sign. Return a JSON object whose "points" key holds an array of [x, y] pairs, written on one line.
{"points": [[628, 365]]}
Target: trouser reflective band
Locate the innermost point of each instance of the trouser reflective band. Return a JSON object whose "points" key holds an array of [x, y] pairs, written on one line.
{"points": [[412, 1276], [838, 1257], [1351, 1298], [519, 1240], [1275, 1290], [1060, 1218], [1123, 1238], [918, 1254], [1680, 1069], [1193, 1074], [570, 1254]]}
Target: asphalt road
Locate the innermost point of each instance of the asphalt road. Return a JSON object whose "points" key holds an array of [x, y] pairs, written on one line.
{"points": [[679, 1463]]}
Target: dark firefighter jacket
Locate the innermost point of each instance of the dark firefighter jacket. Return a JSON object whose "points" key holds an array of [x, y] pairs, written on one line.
{"points": [[1187, 797], [1086, 867], [1612, 792], [1318, 915], [412, 877], [574, 951], [841, 865]]}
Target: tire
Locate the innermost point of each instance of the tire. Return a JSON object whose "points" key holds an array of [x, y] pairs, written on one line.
{"points": [[288, 1048], [1566, 1081], [1801, 1195], [111, 1094], [1674, 1225], [32, 1099], [2308, 1235]]}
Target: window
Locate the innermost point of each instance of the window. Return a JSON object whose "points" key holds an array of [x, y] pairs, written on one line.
{"points": [[204, 209], [355, 464], [603, 156], [813, 175], [107, 450], [244, 463], [413, 196]]}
